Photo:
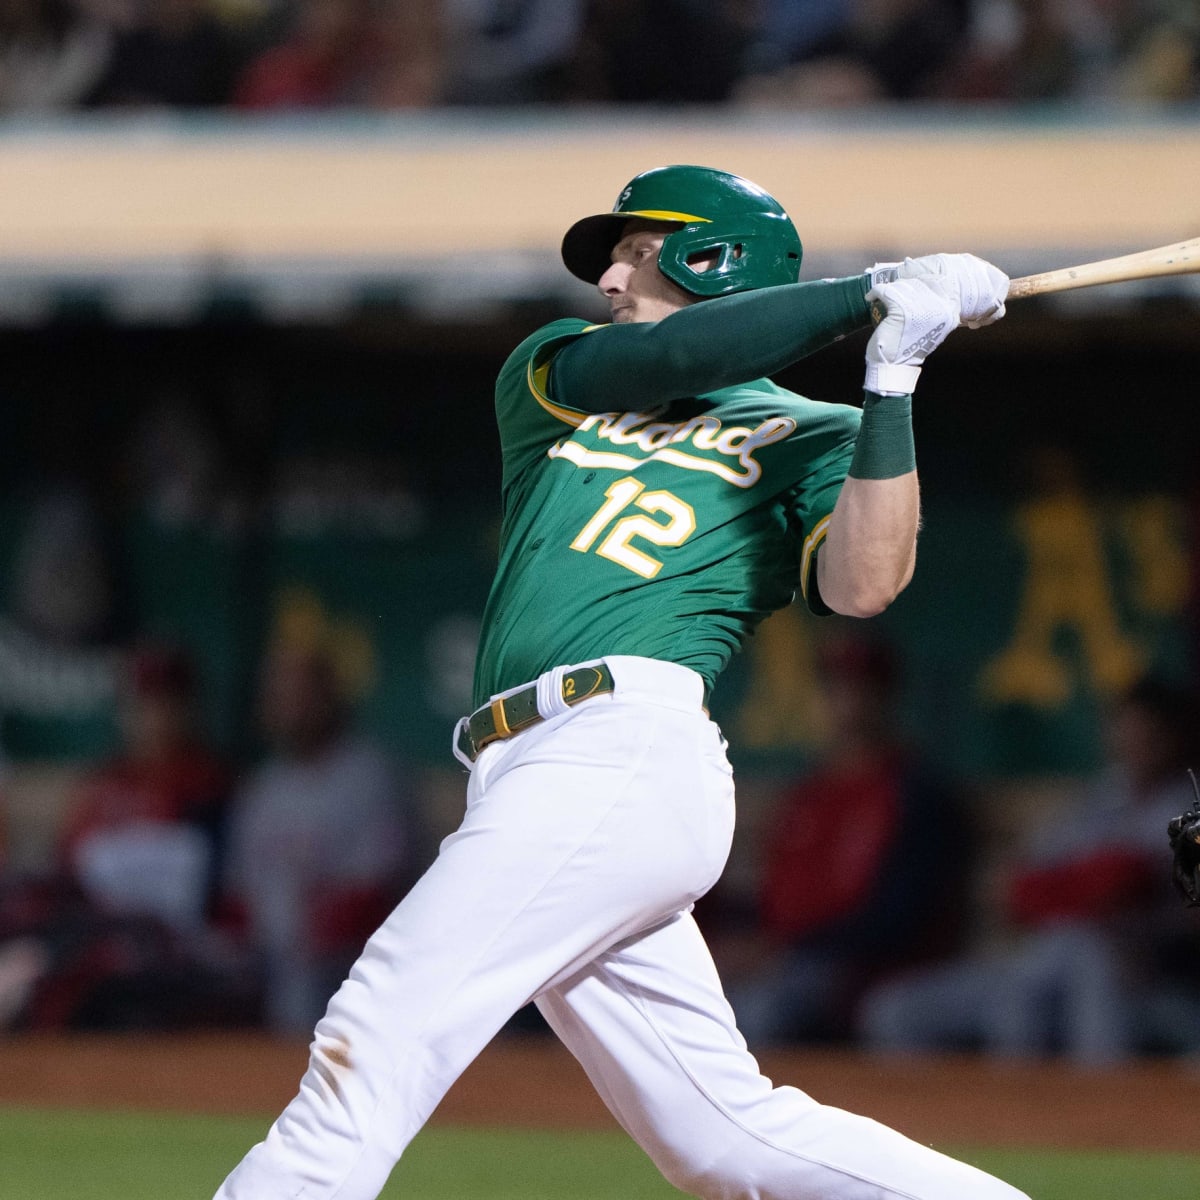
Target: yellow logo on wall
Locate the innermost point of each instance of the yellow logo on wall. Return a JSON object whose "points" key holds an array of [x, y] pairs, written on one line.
{"points": [[1069, 590]]}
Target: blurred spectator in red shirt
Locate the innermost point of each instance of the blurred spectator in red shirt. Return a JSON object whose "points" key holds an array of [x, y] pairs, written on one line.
{"points": [[317, 66], [322, 842], [1086, 906], [119, 933], [862, 862], [142, 834], [343, 53]]}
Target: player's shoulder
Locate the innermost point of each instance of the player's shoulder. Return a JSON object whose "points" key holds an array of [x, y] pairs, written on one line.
{"points": [[537, 347]]}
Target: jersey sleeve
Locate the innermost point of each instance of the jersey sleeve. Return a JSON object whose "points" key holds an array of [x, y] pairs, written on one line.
{"points": [[529, 418], [813, 499]]}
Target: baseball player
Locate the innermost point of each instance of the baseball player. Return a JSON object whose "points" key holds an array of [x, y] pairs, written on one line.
{"points": [[661, 497]]}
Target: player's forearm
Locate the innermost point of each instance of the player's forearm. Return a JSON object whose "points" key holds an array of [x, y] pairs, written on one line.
{"points": [[870, 548], [707, 346]]}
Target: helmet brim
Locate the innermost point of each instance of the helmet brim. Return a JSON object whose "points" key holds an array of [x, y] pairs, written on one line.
{"points": [[587, 245]]}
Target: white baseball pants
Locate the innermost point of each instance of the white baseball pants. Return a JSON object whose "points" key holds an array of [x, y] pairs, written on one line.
{"points": [[585, 841]]}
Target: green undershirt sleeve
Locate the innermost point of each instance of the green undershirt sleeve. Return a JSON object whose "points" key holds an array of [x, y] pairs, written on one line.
{"points": [[885, 446], [706, 346]]}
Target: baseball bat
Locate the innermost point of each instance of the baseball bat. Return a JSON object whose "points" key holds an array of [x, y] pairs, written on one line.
{"points": [[1182, 258]]}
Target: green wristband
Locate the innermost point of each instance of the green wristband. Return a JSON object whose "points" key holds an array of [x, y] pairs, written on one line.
{"points": [[884, 449]]}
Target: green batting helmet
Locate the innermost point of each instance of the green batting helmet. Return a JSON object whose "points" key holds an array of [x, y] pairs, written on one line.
{"points": [[757, 244]]}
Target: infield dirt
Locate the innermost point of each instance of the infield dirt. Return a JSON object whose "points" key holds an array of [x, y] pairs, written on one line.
{"points": [[534, 1083]]}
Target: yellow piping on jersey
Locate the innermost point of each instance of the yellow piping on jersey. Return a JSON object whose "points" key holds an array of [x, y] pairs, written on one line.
{"points": [[662, 214], [537, 385], [814, 539], [537, 377]]}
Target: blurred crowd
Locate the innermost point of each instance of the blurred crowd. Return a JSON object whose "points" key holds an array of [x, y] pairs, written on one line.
{"points": [[893, 910], [184, 892], [189, 880], [303, 55], [890, 909]]}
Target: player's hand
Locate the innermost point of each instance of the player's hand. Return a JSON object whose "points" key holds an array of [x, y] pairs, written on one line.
{"points": [[918, 315], [980, 287]]}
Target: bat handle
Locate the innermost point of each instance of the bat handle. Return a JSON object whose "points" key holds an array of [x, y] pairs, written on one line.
{"points": [[1024, 286]]}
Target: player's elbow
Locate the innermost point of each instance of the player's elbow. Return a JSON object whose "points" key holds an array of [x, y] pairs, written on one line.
{"points": [[863, 585], [862, 594], [861, 602]]}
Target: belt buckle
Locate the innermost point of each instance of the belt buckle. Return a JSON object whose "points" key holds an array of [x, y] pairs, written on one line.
{"points": [[503, 727], [499, 720], [500, 728]]}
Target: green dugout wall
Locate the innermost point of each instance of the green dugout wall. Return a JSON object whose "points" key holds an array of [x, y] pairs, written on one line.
{"points": [[356, 502]]}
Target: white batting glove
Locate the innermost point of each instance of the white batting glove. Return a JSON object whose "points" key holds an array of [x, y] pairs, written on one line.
{"points": [[980, 287], [920, 314]]}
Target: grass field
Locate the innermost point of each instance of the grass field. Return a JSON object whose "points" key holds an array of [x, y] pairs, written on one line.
{"points": [[52, 1155]]}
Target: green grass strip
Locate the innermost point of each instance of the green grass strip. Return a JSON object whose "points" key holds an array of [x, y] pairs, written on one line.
{"points": [[54, 1155]]}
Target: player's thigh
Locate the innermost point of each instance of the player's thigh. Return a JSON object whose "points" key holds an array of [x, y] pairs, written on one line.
{"points": [[650, 1025], [633, 800], [575, 835]]}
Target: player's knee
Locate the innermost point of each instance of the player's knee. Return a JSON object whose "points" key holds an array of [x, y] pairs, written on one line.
{"points": [[699, 1172]]}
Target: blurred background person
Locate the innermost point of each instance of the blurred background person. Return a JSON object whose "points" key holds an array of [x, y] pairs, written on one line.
{"points": [[118, 934], [1021, 51], [350, 53], [409, 64], [512, 51], [52, 54], [864, 862], [624, 58], [324, 838], [1086, 906], [169, 54], [787, 32], [853, 52], [144, 831], [3, 812], [21, 962]]}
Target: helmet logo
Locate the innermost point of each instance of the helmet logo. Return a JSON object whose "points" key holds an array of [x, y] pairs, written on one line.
{"points": [[622, 198]]}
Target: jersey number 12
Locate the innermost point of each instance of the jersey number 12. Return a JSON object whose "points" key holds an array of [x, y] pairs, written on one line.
{"points": [[626, 493]]}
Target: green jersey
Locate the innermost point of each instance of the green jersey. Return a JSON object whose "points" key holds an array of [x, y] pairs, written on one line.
{"points": [[668, 534]]}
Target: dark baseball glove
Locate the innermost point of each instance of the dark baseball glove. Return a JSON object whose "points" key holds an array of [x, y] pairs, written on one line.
{"points": [[1184, 835]]}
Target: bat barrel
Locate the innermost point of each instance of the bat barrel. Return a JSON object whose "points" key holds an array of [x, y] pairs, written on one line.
{"points": [[1182, 258]]}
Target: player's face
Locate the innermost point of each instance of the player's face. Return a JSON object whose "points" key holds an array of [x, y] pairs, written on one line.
{"points": [[636, 290]]}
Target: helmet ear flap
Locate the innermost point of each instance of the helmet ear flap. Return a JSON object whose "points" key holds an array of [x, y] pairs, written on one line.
{"points": [[718, 262], [721, 256], [734, 254]]}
